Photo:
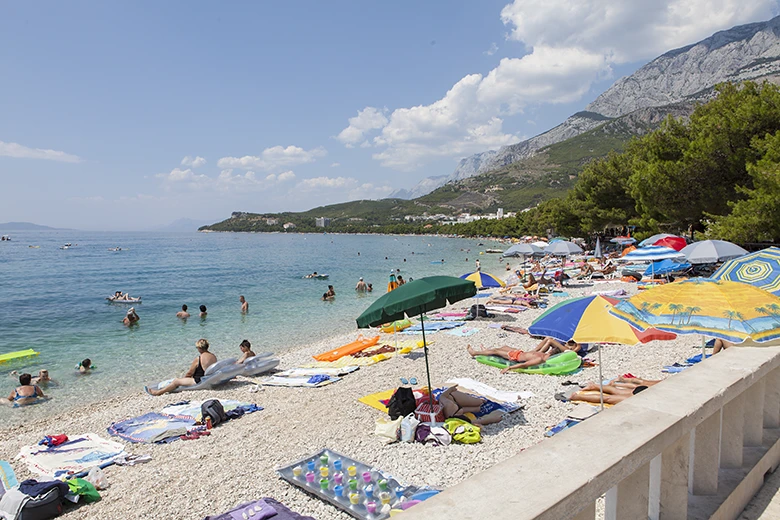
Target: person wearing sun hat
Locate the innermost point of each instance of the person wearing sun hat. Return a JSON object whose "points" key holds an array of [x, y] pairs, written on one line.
{"points": [[131, 318]]}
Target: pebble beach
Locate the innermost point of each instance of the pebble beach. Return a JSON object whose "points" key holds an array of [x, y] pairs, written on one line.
{"points": [[237, 462]]}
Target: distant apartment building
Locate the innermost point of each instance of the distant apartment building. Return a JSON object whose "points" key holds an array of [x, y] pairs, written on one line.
{"points": [[500, 213], [272, 221], [288, 225], [322, 222]]}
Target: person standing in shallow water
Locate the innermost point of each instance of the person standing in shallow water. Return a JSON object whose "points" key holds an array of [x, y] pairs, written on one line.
{"points": [[244, 304], [203, 311], [183, 314]]}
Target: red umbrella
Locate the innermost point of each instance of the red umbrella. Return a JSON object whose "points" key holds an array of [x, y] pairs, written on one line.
{"points": [[676, 243]]}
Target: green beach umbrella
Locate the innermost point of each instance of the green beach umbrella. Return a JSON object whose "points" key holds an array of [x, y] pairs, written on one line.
{"points": [[415, 298]]}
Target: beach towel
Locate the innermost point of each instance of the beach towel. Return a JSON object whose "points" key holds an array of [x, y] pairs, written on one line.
{"points": [[305, 381], [7, 477], [151, 427], [260, 510], [79, 454], [462, 333], [328, 371], [191, 409], [506, 308], [379, 400], [491, 393], [433, 327]]}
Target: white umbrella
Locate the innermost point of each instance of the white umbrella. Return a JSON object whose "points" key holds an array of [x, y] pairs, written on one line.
{"points": [[563, 248], [711, 251], [539, 243], [597, 252], [653, 239], [523, 250]]}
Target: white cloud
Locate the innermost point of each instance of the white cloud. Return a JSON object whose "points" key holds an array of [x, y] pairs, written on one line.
{"points": [[368, 119], [273, 158], [194, 162], [628, 30], [347, 188], [492, 50], [335, 165], [226, 182], [19, 151], [568, 46], [285, 176]]}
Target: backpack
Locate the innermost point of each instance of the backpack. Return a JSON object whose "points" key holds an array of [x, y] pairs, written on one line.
{"points": [[213, 408], [479, 311], [402, 403], [463, 431]]}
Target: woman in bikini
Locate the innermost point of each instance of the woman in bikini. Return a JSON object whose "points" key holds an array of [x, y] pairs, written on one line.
{"points": [[26, 393], [196, 371]]}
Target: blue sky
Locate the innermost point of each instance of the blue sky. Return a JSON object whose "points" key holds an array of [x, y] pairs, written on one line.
{"points": [[128, 116]]}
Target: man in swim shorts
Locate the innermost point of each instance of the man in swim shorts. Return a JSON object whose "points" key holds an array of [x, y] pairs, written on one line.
{"points": [[183, 314], [244, 304], [523, 359]]}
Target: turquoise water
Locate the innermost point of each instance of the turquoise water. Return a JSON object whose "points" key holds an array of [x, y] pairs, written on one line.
{"points": [[53, 300]]}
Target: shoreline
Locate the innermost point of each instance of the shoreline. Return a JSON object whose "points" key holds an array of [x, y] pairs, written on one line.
{"points": [[238, 461]]}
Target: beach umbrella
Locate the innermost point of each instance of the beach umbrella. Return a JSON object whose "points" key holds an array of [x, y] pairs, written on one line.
{"points": [[664, 267], [651, 254], [563, 248], [587, 320], [558, 239], [761, 269], [415, 298], [623, 240], [676, 243], [653, 239], [523, 250], [711, 251], [540, 243], [732, 311], [597, 252], [482, 280]]}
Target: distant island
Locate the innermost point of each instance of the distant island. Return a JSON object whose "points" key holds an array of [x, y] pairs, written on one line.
{"points": [[181, 225], [27, 226]]}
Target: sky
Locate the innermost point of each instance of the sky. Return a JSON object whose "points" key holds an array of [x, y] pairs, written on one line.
{"points": [[128, 116]]}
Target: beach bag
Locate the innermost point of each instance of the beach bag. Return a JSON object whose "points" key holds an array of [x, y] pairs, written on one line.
{"points": [[425, 414], [408, 428], [479, 311], [402, 403], [463, 431], [42, 507], [213, 408], [436, 434], [390, 430], [84, 489]]}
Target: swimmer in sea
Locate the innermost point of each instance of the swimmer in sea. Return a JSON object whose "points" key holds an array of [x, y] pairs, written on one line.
{"points": [[26, 393], [85, 366], [43, 378], [203, 311], [131, 318], [183, 314], [244, 304]]}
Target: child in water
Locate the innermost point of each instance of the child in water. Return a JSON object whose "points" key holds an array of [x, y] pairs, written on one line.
{"points": [[85, 366]]}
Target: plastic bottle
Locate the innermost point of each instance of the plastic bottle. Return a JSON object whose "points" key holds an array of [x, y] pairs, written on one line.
{"points": [[208, 423]]}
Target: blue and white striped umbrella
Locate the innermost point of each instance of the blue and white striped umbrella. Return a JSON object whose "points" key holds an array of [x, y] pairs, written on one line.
{"points": [[651, 254], [761, 269]]}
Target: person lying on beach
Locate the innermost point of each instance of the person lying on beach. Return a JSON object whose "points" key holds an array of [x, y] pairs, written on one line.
{"points": [[195, 373], [43, 378], [524, 359], [183, 314], [246, 351], [464, 406], [85, 366], [131, 318], [721, 345], [523, 301], [26, 393], [614, 393], [585, 270], [519, 330], [553, 346]]}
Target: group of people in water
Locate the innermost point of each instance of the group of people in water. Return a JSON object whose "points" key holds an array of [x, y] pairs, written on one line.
{"points": [[29, 390]]}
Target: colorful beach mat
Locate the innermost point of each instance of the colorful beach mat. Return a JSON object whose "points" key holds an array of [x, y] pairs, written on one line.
{"points": [[303, 382], [7, 477], [151, 427], [79, 454]]}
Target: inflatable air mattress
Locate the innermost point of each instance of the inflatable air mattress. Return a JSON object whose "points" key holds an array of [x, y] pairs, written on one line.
{"points": [[396, 326], [19, 354], [259, 364], [563, 363], [219, 373], [347, 350]]}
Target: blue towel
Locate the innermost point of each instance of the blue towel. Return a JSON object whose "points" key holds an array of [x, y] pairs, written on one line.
{"points": [[317, 379]]}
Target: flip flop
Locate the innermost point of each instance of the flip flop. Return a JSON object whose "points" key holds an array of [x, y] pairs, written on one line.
{"points": [[146, 389], [560, 397]]}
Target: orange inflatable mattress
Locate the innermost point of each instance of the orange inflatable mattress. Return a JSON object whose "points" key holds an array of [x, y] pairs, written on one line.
{"points": [[346, 350]]}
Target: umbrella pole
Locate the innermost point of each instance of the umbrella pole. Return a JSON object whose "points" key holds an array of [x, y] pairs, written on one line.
{"points": [[601, 382], [427, 368], [703, 348]]}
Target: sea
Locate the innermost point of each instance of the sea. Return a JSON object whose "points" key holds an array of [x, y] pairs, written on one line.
{"points": [[53, 300]]}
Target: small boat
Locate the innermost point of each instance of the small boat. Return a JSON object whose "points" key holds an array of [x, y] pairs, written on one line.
{"points": [[5, 238], [111, 299], [114, 248]]}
